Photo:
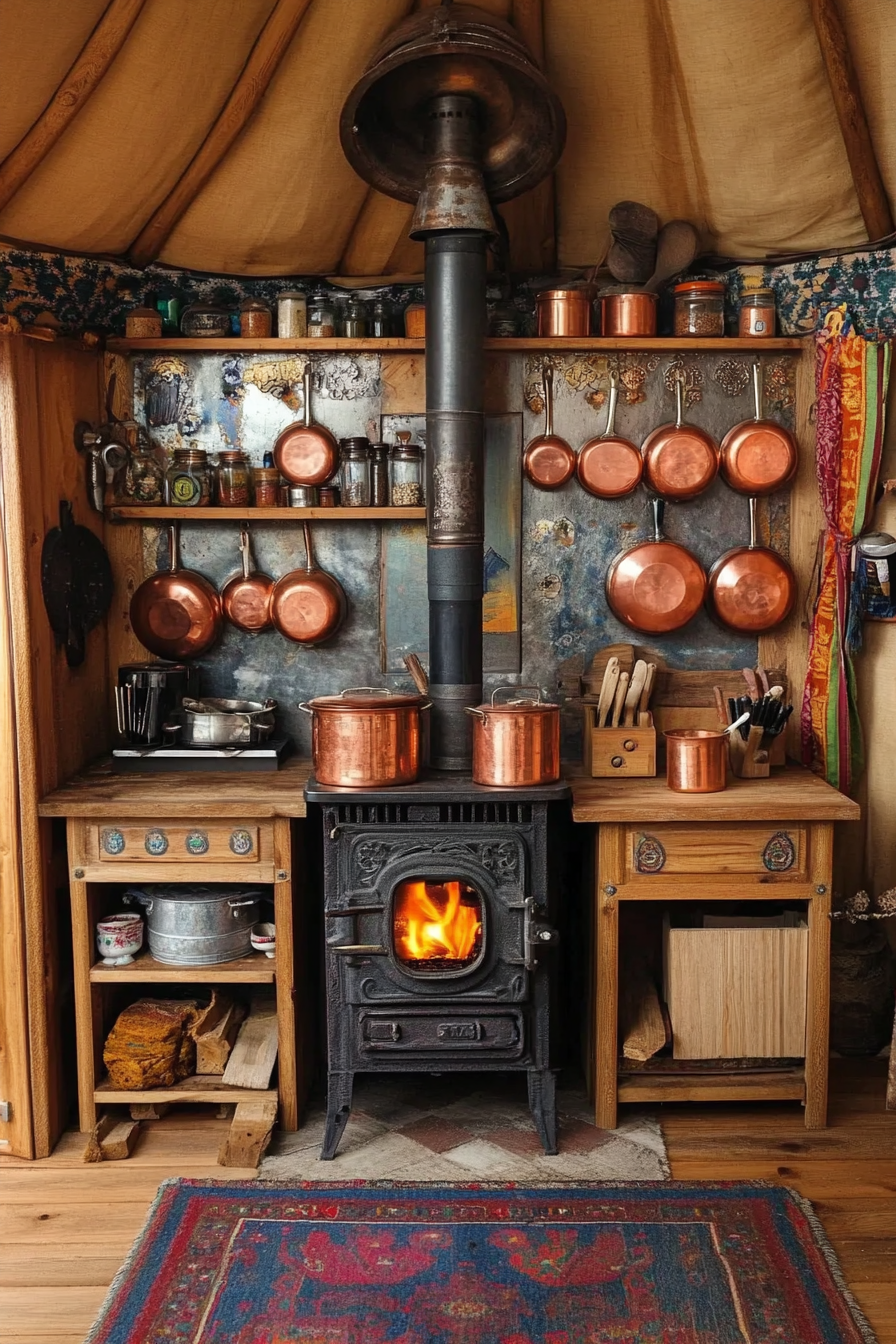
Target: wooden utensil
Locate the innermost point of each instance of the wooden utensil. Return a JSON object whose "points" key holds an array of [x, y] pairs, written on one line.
{"points": [[607, 691], [647, 692], [720, 706], [752, 683], [633, 695], [619, 702], [593, 678], [763, 678]]}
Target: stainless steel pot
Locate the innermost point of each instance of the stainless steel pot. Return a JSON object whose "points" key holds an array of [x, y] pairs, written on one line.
{"points": [[224, 723], [195, 925]]}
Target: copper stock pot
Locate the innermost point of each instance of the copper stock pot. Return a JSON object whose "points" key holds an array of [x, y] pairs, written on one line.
{"points": [[516, 743], [367, 737]]}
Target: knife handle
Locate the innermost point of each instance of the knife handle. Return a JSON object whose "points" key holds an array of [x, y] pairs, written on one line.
{"points": [[618, 703]]}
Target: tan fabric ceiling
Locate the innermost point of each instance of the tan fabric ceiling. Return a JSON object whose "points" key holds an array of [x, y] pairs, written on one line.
{"points": [[716, 110]]}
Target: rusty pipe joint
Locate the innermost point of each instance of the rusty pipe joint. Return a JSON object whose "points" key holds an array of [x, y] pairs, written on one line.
{"points": [[453, 194]]}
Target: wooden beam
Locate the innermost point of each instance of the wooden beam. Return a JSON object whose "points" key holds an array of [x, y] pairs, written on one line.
{"points": [[531, 218], [270, 47], [847, 95], [90, 66]]}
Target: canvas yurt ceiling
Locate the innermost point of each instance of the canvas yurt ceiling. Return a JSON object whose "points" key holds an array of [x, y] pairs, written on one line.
{"points": [[204, 135]]}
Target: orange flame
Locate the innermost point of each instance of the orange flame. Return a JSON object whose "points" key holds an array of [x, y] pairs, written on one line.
{"points": [[433, 921]]}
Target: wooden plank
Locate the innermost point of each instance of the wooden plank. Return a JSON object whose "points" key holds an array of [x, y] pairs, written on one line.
{"points": [[61, 1267], [718, 1087], [834, 1179], [504, 344], [215, 1033], [641, 1020], [85, 74], [164, 513], [253, 1057], [195, 1088], [250, 1134], [99, 793], [112, 1139], [270, 47], [25, 1314], [295, 1048], [793, 794], [609, 869], [254, 969], [818, 993]]}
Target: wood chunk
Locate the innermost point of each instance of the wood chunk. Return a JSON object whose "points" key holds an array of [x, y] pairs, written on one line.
{"points": [[252, 1058], [112, 1139], [640, 1013], [249, 1134], [150, 1110], [215, 1033], [150, 1045]]}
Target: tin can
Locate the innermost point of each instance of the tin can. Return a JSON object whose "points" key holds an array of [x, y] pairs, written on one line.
{"points": [[303, 496], [563, 312]]}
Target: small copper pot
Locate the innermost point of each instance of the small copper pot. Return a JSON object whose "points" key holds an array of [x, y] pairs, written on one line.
{"points": [[628, 314], [366, 738], [516, 743], [696, 760], [564, 312]]}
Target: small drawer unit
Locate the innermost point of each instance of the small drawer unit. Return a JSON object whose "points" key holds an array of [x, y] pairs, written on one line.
{"points": [[754, 852], [175, 842]]}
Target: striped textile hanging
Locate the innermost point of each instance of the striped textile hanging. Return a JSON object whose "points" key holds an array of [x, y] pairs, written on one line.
{"points": [[851, 377]]}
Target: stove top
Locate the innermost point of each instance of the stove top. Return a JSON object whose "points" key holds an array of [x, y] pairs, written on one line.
{"points": [[447, 785]]}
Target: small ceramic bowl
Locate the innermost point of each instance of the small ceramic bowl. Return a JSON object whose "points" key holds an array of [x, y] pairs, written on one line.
{"points": [[118, 938], [263, 938]]}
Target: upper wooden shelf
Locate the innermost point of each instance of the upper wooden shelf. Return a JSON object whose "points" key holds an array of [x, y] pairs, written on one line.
{"points": [[167, 513], [408, 345]]}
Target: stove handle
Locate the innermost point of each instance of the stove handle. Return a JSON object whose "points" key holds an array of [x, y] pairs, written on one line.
{"points": [[358, 949], [537, 936]]}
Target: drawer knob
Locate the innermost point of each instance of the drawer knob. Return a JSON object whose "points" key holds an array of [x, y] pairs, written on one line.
{"points": [[780, 853], [241, 842], [112, 841], [650, 857], [196, 842], [156, 843]]}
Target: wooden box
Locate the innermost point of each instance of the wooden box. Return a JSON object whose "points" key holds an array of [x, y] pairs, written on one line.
{"points": [[736, 992], [629, 752]]}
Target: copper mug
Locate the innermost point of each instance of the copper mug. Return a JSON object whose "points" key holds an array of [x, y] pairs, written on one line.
{"points": [[696, 760]]}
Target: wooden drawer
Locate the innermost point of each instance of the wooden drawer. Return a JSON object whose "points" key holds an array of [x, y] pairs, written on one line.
{"points": [[144, 841], [714, 850]]}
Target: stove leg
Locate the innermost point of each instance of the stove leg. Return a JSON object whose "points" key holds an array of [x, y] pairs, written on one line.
{"points": [[339, 1105], [543, 1105]]}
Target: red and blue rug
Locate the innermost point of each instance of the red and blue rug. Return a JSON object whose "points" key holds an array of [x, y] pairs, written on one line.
{"points": [[658, 1263]]}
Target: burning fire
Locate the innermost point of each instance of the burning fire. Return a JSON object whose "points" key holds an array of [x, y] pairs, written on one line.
{"points": [[437, 920]]}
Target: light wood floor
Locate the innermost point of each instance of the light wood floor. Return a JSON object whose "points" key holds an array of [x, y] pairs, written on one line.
{"points": [[65, 1228]]}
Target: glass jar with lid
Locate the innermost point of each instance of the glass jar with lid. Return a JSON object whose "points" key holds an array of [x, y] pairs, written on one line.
{"points": [[321, 316], [407, 472], [256, 319], [292, 314], [356, 317], [188, 480], [756, 315], [144, 479], [205, 319], [355, 472], [232, 479], [699, 308], [379, 474], [381, 317]]}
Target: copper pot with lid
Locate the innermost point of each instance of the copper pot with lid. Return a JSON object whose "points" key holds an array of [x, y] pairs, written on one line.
{"points": [[758, 456], [516, 743], [366, 737]]}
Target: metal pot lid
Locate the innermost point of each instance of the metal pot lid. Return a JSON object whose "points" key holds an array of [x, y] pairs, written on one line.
{"points": [[519, 705], [367, 697], [198, 894], [877, 545], [214, 706]]}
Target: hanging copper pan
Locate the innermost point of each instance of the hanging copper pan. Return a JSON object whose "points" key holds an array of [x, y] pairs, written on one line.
{"points": [[657, 586], [758, 456], [176, 614], [548, 461], [751, 588], [308, 605], [246, 598], [680, 460], [610, 466], [306, 454]]}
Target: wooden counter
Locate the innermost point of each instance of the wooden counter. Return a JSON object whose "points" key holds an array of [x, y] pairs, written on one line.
{"points": [[794, 794]]}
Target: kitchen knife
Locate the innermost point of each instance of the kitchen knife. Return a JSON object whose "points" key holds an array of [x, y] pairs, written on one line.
{"points": [[720, 706], [752, 683], [607, 691], [619, 702], [763, 678], [649, 683], [633, 695]]}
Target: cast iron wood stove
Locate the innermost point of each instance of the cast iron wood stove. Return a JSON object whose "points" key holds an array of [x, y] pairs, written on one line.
{"points": [[439, 932]]}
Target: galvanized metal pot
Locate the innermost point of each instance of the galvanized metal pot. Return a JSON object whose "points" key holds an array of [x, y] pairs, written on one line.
{"points": [[367, 737], [196, 925], [516, 743]]}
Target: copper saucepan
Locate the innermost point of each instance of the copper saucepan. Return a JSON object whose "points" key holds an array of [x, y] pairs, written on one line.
{"points": [[680, 460], [610, 466], [176, 614], [246, 598], [656, 586], [548, 461], [751, 588], [308, 605], [306, 454], [758, 456]]}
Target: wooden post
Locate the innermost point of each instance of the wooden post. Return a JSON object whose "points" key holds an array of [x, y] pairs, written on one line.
{"points": [[818, 989], [608, 870]]}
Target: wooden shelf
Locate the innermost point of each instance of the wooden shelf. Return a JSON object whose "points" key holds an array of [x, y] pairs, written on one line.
{"points": [[409, 345], [784, 1085], [254, 969], [201, 1087], [146, 513]]}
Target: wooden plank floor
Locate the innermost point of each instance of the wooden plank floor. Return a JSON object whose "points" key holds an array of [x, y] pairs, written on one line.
{"points": [[67, 1227]]}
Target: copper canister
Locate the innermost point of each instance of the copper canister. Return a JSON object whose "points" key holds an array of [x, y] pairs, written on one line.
{"points": [[632, 314], [367, 737], [564, 312], [696, 760], [516, 743]]}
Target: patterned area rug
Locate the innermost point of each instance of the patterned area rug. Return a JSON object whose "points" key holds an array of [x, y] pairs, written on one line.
{"points": [[462, 1127], [668, 1263]]}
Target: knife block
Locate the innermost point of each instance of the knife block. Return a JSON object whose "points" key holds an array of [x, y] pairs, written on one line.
{"points": [[749, 760], [627, 753]]}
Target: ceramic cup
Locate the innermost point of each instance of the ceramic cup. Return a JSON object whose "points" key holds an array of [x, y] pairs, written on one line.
{"points": [[118, 938], [263, 938]]}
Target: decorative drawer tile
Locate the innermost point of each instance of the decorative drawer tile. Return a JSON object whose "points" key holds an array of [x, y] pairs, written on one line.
{"points": [[215, 842], [716, 850]]}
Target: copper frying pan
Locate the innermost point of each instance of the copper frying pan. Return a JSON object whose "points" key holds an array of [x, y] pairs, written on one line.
{"points": [[176, 614], [758, 456], [656, 586], [548, 461], [610, 466], [751, 588], [680, 460], [246, 598], [306, 454], [308, 605]]}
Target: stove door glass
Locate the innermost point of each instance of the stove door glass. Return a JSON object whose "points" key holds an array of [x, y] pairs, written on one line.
{"points": [[437, 926]]}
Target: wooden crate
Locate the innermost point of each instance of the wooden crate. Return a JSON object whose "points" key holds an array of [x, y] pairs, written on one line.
{"points": [[736, 992]]}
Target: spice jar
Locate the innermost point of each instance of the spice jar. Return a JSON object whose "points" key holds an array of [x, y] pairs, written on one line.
{"points": [[756, 315], [292, 314], [699, 308], [255, 319], [356, 318], [265, 482], [415, 320], [144, 478], [379, 475], [381, 318], [143, 322], [407, 472], [355, 472], [504, 319], [188, 480], [205, 319], [232, 479], [321, 316], [328, 496]]}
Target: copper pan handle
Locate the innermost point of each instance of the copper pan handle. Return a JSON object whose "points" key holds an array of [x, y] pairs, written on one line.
{"points": [[499, 689], [306, 532], [173, 547], [659, 508], [757, 390], [547, 375], [306, 389], [306, 708], [244, 551], [468, 709], [753, 529], [611, 409], [679, 402]]}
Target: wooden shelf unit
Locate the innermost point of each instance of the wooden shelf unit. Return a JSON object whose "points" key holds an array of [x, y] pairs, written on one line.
{"points": [[256, 969], [166, 513], [411, 345]]}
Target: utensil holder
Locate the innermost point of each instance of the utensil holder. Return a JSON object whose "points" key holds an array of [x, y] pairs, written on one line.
{"points": [[749, 760], [620, 752]]}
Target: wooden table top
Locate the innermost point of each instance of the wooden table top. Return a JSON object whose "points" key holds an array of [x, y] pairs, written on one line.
{"points": [[98, 791], [792, 794]]}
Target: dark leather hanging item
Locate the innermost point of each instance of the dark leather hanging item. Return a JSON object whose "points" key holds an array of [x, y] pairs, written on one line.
{"points": [[76, 582]]}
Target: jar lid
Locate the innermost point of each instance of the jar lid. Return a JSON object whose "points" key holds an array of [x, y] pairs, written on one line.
{"points": [[291, 294], [408, 452], [379, 451], [356, 447], [230, 456], [143, 310], [254, 306], [546, 295], [708, 287], [415, 308], [358, 697], [760, 295], [190, 455], [205, 307]]}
